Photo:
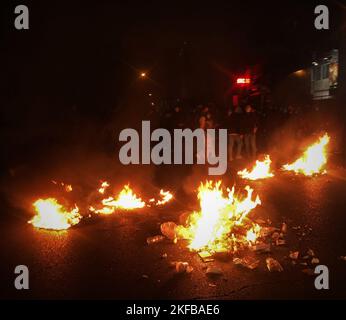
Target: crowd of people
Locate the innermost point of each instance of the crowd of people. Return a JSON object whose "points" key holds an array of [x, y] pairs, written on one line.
{"points": [[248, 128]]}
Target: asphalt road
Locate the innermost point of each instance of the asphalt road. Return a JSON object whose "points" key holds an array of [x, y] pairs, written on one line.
{"points": [[108, 257]]}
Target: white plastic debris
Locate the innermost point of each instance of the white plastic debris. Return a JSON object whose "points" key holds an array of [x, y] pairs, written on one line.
{"points": [[273, 265], [183, 267]]}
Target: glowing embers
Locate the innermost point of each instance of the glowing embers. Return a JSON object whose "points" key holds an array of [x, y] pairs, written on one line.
{"points": [[221, 224], [52, 215], [261, 170], [313, 160]]}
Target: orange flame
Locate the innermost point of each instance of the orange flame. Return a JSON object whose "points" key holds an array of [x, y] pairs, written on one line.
{"points": [[52, 215], [126, 199], [313, 159], [261, 170], [104, 186], [166, 197], [211, 228]]}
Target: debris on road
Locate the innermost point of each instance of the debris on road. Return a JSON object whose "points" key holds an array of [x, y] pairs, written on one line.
{"points": [[273, 265], [182, 267], [261, 247], [267, 231], [247, 262], [315, 261], [280, 242], [205, 256], [164, 256], [168, 229], [311, 253], [294, 255]]}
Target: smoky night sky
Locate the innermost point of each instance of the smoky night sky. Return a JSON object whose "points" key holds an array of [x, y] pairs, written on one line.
{"points": [[79, 61]]}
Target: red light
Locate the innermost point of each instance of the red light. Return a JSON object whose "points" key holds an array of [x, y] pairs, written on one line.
{"points": [[243, 81]]}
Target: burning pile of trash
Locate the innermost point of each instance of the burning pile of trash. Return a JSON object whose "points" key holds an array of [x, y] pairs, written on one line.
{"points": [[223, 225], [52, 215]]}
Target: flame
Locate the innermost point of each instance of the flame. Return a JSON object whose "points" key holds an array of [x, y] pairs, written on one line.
{"points": [[166, 197], [313, 159], [212, 227], [253, 234], [103, 187], [67, 187], [126, 199], [52, 215], [261, 170]]}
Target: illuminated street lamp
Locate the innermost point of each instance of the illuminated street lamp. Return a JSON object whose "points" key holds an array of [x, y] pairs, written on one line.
{"points": [[143, 74]]}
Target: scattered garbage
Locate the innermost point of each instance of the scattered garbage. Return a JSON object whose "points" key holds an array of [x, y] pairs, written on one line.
{"points": [[315, 261], [164, 256], [275, 235], [284, 228], [155, 239], [311, 253], [182, 267], [273, 265], [145, 276], [261, 247], [214, 271], [294, 255], [280, 242], [205, 256], [267, 231], [168, 229], [247, 262]]}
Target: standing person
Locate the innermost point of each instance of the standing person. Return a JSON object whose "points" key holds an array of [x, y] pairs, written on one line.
{"points": [[206, 122], [235, 133], [250, 129]]}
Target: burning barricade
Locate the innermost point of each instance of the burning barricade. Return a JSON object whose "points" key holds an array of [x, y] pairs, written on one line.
{"points": [[222, 223]]}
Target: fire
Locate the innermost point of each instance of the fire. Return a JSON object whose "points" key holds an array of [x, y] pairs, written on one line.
{"points": [[166, 197], [253, 234], [52, 215], [261, 170], [213, 228], [67, 187], [126, 199], [103, 187], [313, 159]]}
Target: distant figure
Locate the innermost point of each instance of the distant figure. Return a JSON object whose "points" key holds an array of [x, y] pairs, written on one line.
{"points": [[205, 119], [206, 122], [250, 129], [235, 133]]}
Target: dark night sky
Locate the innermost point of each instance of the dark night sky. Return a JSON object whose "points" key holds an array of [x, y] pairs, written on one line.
{"points": [[74, 49], [81, 59]]}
